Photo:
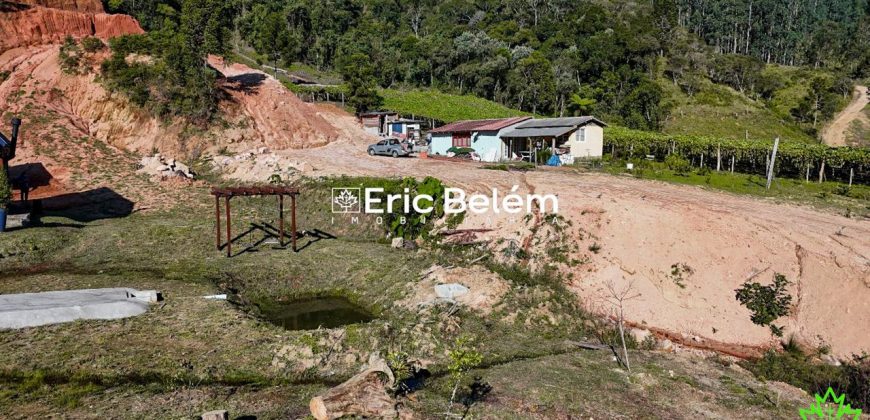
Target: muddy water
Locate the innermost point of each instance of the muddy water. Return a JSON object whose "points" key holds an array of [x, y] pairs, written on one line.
{"points": [[311, 313]]}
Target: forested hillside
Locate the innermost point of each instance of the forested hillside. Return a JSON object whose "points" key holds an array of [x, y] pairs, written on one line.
{"points": [[560, 57]]}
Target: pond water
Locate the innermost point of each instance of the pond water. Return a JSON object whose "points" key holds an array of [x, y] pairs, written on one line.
{"points": [[311, 313]]}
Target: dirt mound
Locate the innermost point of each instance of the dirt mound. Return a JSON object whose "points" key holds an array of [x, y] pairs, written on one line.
{"points": [[33, 25], [278, 118], [87, 6], [485, 289]]}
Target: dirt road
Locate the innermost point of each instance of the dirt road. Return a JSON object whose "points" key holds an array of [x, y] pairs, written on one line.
{"points": [[645, 228], [837, 132]]}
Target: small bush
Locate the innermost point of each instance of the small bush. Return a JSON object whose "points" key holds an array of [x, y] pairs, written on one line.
{"points": [[767, 303], [678, 164], [92, 44], [460, 151], [70, 56], [5, 189]]}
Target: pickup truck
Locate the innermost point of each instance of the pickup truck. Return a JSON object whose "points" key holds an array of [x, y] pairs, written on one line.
{"points": [[390, 147]]}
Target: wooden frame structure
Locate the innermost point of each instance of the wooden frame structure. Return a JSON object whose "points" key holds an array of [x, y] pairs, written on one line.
{"points": [[228, 193]]}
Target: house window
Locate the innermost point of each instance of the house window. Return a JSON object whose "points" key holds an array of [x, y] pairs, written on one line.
{"points": [[461, 139], [582, 135]]}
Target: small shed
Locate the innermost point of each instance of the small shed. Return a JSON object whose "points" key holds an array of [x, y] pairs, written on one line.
{"points": [[405, 129], [377, 122], [484, 136], [580, 137]]}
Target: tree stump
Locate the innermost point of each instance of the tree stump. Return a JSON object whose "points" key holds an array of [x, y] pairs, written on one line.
{"points": [[364, 395]]}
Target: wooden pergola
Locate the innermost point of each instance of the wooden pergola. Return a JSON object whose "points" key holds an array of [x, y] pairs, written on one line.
{"points": [[228, 193]]}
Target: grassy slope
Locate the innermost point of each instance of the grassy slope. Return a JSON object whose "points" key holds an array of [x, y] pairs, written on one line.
{"points": [[444, 106], [859, 131], [720, 111], [190, 355]]}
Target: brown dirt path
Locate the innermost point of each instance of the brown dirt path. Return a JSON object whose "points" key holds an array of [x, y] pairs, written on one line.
{"points": [[836, 133]]}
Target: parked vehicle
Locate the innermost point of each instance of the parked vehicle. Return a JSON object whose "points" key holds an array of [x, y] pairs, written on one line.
{"points": [[389, 147]]}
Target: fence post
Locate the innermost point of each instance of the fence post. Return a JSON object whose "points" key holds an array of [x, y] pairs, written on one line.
{"points": [[772, 162]]}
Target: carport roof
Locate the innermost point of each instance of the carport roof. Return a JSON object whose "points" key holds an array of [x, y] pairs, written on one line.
{"points": [[478, 125], [538, 132], [550, 127]]}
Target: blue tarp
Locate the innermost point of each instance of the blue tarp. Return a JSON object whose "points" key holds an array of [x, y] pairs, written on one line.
{"points": [[554, 161]]}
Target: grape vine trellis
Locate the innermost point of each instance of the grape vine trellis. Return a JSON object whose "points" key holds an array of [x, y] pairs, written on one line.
{"points": [[799, 160]]}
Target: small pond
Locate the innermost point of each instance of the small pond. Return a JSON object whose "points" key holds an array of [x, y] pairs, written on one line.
{"points": [[311, 313]]}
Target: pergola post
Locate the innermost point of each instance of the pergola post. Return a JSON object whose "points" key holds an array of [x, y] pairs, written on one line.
{"points": [[217, 221], [229, 231], [293, 219], [281, 218]]}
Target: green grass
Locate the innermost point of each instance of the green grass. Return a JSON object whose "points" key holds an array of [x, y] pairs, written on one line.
{"points": [[851, 201], [719, 111], [444, 107]]}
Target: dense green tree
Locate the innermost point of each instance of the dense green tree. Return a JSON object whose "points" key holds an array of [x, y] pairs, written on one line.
{"points": [[358, 74]]}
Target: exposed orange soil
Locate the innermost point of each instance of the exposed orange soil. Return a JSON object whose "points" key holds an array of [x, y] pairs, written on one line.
{"points": [[645, 227]]}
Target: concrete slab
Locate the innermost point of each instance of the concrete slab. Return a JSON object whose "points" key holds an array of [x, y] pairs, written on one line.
{"points": [[34, 309]]}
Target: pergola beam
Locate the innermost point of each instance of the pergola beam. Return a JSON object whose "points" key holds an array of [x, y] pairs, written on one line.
{"points": [[228, 193]]}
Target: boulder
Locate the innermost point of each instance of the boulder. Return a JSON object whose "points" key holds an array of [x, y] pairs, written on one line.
{"points": [[398, 243], [640, 334], [665, 345], [215, 415]]}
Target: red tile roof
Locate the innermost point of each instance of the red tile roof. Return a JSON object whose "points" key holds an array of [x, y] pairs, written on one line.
{"points": [[479, 125]]}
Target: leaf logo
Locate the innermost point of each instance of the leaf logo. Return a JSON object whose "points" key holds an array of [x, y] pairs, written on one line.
{"points": [[830, 407], [345, 200]]}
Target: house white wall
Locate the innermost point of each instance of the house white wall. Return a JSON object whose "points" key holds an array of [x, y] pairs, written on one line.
{"points": [[587, 141], [440, 143]]}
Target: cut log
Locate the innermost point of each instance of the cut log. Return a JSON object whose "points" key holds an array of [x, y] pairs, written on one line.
{"points": [[364, 395]]}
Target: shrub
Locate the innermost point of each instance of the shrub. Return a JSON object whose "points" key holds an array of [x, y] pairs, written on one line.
{"points": [[5, 189], [70, 56], [767, 303], [678, 164], [92, 44], [460, 151]]}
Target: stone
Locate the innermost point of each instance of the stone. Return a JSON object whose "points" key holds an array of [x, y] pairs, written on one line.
{"points": [[665, 345], [397, 243], [640, 335], [215, 415], [830, 360], [450, 290]]}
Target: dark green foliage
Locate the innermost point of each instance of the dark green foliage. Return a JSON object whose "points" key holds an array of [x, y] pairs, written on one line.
{"points": [[176, 80], [767, 303], [70, 56], [460, 151], [819, 104], [794, 367], [358, 74], [92, 44], [678, 164], [5, 189]]}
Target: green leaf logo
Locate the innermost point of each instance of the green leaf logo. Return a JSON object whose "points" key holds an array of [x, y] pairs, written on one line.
{"points": [[825, 408]]}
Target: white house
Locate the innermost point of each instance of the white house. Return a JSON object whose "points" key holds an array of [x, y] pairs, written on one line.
{"points": [[581, 137], [484, 136]]}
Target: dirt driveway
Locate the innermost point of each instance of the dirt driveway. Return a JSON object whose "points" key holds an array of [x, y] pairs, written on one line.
{"points": [[645, 228], [836, 133]]}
